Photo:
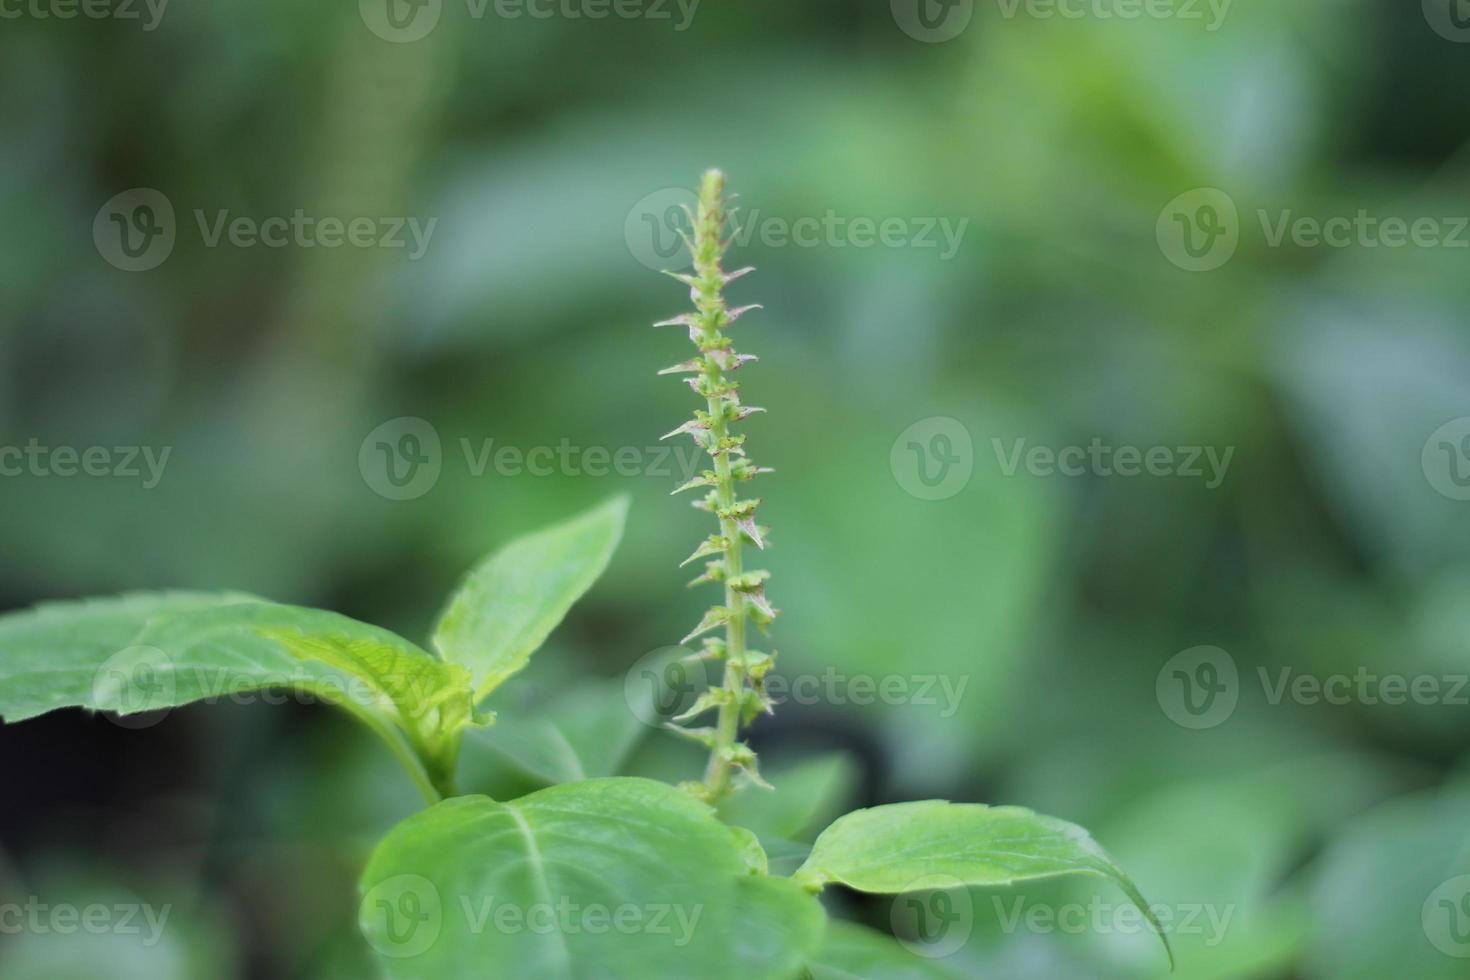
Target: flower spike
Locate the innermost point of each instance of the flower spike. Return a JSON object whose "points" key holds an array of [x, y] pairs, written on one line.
{"points": [[740, 697]]}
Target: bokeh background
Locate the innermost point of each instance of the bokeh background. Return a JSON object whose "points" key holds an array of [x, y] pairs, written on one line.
{"points": [[1300, 838]]}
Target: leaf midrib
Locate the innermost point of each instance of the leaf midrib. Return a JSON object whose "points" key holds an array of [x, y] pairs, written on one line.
{"points": [[543, 885]]}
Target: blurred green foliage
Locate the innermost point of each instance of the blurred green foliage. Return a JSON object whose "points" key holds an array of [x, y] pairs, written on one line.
{"points": [[1321, 830]]}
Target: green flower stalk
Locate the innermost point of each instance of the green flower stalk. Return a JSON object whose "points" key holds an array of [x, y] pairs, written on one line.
{"points": [[741, 695]]}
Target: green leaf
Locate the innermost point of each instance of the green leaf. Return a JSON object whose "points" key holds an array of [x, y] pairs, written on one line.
{"points": [[773, 927], [427, 699], [205, 647], [756, 861], [508, 604], [413, 686], [51, 655], [907, 847], [854, 952], [582, 733], [537, 887], [146, 652]]}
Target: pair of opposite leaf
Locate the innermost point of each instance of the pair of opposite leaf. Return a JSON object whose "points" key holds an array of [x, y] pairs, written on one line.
{"points": [[607, 845], [630, 846]]}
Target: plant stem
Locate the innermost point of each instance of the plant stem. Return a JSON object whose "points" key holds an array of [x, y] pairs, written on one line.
{"points": [[431, 793], [717, 773], [408, 756], [708, 251]]}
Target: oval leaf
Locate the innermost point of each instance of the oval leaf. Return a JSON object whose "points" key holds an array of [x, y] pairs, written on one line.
{"points": [[508, 605], [609, 878], [51, 655], [142, 652], [146, 652], [908, 846]]}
